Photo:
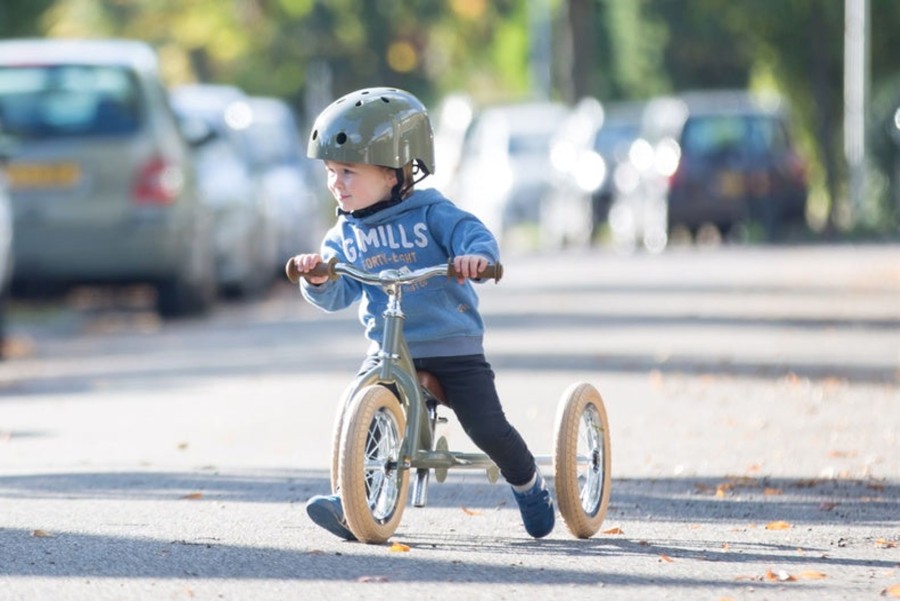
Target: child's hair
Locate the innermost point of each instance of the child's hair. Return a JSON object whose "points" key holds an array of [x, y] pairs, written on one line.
{"points": [[377, 126]]}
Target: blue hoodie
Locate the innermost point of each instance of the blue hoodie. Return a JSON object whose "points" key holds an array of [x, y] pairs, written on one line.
{"points": [[423, 230]]}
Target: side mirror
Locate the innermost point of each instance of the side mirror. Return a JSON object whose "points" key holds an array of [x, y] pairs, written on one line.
{"points": [[197, 132]]}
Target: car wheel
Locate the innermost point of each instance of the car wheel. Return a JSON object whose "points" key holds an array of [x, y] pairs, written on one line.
{"points": [[191, 291], [4, 305]]}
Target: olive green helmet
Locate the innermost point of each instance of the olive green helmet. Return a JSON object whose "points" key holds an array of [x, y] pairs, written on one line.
{"points": [[375, 126]]}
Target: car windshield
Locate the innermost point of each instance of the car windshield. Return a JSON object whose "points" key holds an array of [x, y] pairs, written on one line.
{"points": [[68, 100], [531, 144], [612, 137], [719, 136]]}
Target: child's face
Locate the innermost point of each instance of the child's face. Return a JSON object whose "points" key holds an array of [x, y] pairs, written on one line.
{"points": [[357, 185]]}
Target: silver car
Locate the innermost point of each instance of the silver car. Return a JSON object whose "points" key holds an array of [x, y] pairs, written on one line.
{"points": [[504, 171], [6, 233], [246, 239], [287, 176], [102, 182]]}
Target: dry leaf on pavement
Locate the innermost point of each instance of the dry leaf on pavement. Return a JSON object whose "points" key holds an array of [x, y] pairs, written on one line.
{"points": [[892, 591]]}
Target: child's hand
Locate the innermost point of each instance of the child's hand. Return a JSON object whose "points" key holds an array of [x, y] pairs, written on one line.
{"points": [[308, 262], [469, 266]]}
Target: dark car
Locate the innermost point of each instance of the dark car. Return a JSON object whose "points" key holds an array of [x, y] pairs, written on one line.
{"points": [[736, 165]]}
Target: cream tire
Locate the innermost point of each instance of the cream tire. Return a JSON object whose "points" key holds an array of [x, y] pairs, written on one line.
{"points": [[373, 490], [581, 463]]}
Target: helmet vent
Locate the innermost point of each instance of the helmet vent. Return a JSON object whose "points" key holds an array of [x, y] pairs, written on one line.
{"points": [[315, 134], [341, 139]]}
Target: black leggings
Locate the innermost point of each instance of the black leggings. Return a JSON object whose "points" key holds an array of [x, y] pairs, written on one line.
{"points": [[468, 383]]}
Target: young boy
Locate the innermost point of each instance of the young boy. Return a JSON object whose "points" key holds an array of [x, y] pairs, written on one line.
{"points": [[374, 142]]}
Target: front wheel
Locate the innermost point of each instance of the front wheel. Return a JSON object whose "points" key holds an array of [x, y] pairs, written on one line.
{"points": [[373, 488], [581, 463]]}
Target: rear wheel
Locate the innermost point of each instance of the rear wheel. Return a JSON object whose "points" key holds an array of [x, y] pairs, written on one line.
{"points": [[192, 290], [4, 302], [372, 487], [581, 462]]}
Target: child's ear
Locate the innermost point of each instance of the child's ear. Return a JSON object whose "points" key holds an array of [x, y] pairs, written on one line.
{"points": [[391, 176]]}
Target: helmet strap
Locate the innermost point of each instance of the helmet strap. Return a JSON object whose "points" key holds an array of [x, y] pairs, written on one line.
{"points": [[398, 192]]}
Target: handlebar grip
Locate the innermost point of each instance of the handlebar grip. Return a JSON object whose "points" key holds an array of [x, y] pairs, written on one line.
{"points": [[491, 272], [322, 269]]}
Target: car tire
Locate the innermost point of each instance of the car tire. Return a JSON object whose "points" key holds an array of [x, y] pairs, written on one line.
{"points": [[192, 291], [4, 308]]}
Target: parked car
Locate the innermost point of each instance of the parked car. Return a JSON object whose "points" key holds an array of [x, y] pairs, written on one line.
{"points": [[287, 178], [6, 233], [737, 164], [102, 181], [244, 216], [589, 157], [504, 170]]}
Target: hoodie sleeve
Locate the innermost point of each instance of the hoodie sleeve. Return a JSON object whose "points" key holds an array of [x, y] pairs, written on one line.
{"points": [[333, 295], [461, 233]]}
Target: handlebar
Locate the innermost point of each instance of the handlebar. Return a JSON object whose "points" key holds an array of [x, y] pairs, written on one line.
{"points": [[334, 269]]}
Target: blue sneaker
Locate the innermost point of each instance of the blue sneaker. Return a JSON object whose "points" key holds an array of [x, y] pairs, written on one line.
{"points": [[327, 512], [536, 508]]}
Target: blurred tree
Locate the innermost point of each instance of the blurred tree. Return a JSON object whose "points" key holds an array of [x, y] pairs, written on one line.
{"points": [[611, 49], [21, 18]]}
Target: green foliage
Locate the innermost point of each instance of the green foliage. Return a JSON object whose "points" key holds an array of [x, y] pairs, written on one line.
{"points": [[21, 18]]}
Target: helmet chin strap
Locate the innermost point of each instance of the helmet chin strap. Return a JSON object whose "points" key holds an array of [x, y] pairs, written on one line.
{"points": [[398, 192], [400, 189]]}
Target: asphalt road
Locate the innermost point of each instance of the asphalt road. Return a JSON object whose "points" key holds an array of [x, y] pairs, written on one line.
{"points": [[753, 395]]}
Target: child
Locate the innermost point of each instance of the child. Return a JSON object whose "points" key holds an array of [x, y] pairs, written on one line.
{"points": [[373, 143]]}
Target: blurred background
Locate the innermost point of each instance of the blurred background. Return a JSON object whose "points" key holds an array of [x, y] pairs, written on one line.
{"points": [[636, 125]]}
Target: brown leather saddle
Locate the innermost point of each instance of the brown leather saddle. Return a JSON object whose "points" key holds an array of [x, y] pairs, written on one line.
{"points": [[428, 381]]}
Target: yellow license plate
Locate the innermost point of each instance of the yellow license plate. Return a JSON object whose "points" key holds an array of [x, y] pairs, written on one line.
{"points": [[43, 175]]}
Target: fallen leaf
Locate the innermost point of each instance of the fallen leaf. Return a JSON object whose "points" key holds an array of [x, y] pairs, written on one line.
{"points": [[885, 544], [827, 505], [770, 492], [468, 511], [811, 575], [194, 496], [779, 576], [778, 525], [372, 579], [892, 591], [665, 558], [613, 531], [722, 490], [399, 547], [41, 533]]}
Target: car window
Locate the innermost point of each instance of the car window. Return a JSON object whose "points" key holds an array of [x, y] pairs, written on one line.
{"points": [[529, 144], [611, 138], [69, 100], [720, 136], [272, 143]]}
